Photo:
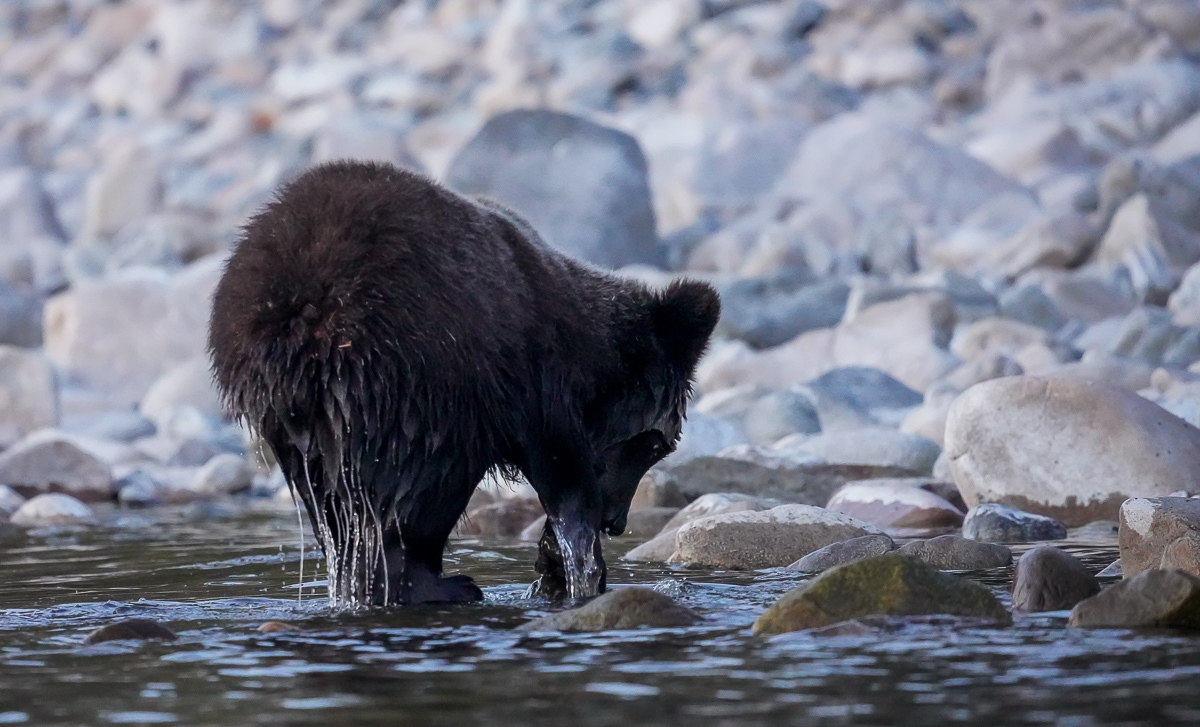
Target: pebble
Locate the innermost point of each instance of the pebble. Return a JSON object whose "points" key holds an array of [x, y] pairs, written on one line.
{"points": [[992, 523]]}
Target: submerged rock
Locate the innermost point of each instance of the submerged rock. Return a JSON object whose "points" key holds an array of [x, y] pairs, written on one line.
{"points": [[950, 552], [53, 508], [134, 629], [847, 551], [992, 523], [621, 609], [274, 627], [1050, 579], [765, 539], [890, 584], [1160, 532], [1168, 598]]}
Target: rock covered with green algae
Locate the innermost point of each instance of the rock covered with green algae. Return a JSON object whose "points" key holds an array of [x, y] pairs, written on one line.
{"points": [[1164, 598], [621, 609], [892, 584]]}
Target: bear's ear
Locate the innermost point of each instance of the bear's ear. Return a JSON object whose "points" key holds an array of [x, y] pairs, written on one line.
{"points": [[684, 316]]}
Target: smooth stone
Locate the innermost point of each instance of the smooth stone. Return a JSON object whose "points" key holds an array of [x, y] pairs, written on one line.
{"points": [[893, 584], [506, 518], [876, 447], [950, 552], [188, 384], [620, 609], [762, 539], [1100, 531], [224, 474], [1152, 598], [275, 627], [1112, 570], [847, 551], [646, 522], [29, 398], [134, 629], [662, 546], [52, 508], [533, 531], [896, 503], [10, 501], [120, 425], [779, 414], [992, 523], [766, 312], [1066, 448], [1160, 533], [582, 186], [1050, 579], [49, 460]]}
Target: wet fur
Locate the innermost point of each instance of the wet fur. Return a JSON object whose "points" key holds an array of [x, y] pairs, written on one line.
{"points": [[393, 341]]}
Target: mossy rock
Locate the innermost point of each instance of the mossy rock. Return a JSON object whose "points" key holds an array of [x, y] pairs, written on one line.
{"points": [[892, 584]]}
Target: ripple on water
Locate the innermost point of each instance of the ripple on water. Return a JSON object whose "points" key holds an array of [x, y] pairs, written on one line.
{"points": [[215, 581]]}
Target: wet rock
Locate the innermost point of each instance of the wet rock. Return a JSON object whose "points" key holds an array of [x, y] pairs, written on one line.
{"points": [[847, 551], [763, 539], [1161, 532], [890, 584], [52, 508], [770, 473], [224, 474], [134, 629], [503, 519], [28, 394], [904, 338], [49, 460], [275, 627], [992, 523], [656, 489], [10, 502], [1162, 598], [1112, 570], [895, 504], [877, 447], [533, 531], [660, 548], [1050, 579], [1069, 449], [646, 522], [596, 176], [950, 552], [618, 610]]}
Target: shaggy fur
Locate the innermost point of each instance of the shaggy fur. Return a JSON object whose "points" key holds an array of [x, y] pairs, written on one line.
{"points": [[393, 341]]}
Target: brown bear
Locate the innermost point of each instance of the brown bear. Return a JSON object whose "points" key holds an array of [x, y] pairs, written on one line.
{"points": [[393, 342]]}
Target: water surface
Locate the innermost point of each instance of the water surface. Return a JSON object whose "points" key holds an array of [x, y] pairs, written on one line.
{"points": [[214, 576]]}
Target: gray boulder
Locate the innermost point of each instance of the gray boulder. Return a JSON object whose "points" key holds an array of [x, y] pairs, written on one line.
{"points": [[1152, 598], [619, 610], [582, 186], [1050, 579], [992, 523], [847, 551], [950, 552], [1160, 532]]}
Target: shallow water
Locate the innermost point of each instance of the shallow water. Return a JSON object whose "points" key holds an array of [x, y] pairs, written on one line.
{"points": [[215, 577]]}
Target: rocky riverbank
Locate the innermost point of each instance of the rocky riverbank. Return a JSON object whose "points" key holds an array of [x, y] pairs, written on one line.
{"points": [[957, 244]]}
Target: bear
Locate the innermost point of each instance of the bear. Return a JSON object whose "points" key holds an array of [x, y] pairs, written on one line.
{"points": [[394, 342]]}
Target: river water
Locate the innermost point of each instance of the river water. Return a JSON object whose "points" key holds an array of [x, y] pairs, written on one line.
{"points": [[215, 575]]}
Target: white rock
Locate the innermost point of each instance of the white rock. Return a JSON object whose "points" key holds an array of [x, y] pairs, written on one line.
{"points": [[53, 509], [1066, 448]]}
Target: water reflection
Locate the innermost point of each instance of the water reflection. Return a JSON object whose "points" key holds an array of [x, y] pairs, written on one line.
{"points": [[215, 581]]}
